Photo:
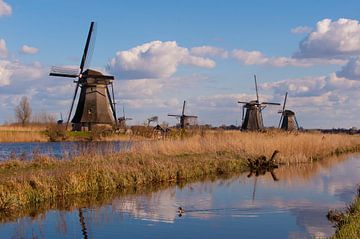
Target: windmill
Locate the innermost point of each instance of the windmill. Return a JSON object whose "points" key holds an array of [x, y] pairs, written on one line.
{"points": [[60, 121], [96, 106], [252, 112], [152, 119], [184, 119], [122, 120], [287, 120]]}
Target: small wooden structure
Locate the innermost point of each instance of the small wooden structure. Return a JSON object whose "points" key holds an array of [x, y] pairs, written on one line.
{"points": [[160, 132]]}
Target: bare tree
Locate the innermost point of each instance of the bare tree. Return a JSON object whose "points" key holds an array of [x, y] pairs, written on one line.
{"points": [[23, 111]]}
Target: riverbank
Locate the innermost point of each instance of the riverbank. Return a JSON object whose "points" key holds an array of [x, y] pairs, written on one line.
{"points": [[156, 162], [44, 133], [348, 224]]}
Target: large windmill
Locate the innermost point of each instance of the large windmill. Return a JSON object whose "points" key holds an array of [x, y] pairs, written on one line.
{"points": [[184, 119], [252, 112], [96, 106], [288, 120]]}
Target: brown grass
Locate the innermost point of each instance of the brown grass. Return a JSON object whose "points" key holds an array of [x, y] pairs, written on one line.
{"points": [[157, 162], [294, 148], [17, 133]]}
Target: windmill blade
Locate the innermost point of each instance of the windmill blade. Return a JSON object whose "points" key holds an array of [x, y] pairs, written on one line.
{"points": [[64, 72], [111, 104], [270, 103], [286, 94], [114, 103], [281, 118], [256, 88], [174, 115], [183, 109], [72, 103], [86, 49], [124, 111], [190, 116], [242, 102], [243, 112]]}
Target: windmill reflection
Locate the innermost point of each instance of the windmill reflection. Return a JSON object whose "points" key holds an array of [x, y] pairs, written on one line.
{"points": [[82, 223]]}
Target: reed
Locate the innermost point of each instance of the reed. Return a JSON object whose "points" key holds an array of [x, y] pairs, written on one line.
{"points": [[294, 148], [210, 153], [22, 136]]}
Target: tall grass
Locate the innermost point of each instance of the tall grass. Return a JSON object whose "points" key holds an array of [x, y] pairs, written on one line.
{"points": [[18, 133], [156, 162], [349, 226], [294, 148]]}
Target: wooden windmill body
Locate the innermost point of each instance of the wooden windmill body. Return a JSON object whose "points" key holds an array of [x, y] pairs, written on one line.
{"points": [[96, 105], [184, 120], [252, 112], [288, 120]]}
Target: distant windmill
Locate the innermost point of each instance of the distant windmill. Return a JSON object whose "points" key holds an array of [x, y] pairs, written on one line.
{"points": [[152, 119], [288, 120], [60, 121], [252, 118], [96, 106], [122, 120], [184, 119]]}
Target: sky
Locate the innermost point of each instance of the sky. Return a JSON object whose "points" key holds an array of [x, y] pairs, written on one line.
{"points": [[205, 52]]}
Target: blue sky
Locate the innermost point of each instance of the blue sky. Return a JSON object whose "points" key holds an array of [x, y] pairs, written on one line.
{"points": [[203, 51]]}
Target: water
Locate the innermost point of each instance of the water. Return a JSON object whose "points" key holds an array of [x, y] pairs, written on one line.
{"points": [[56, 149], [238, 207]]}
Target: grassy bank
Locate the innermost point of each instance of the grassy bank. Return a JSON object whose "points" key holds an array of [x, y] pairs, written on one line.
{"points": [[46, 133], [156, 162], [348, 226]]}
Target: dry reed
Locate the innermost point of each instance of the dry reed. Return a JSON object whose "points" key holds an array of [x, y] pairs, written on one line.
{"points": [[156, 162], [294, 148]]}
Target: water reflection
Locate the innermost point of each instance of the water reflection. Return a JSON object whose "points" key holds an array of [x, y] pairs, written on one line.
{"points": [[27, 151], [295, 206]]}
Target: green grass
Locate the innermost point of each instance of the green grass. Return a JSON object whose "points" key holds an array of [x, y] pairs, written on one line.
{"points": [[349, 226]]}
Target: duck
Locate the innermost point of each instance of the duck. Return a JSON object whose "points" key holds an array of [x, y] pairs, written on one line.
{"points": [[180, 211]]}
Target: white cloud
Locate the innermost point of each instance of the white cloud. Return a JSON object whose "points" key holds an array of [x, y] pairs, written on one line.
{"points": [[351, 70], [301, 30], [29, 49], [5, 73], [331, 39], [5, 9], [312, 86], [209, 51], [258, 58], [155, 59], [3, 49]]}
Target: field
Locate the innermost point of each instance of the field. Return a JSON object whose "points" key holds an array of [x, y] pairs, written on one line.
{"points": [[213, 153]]}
